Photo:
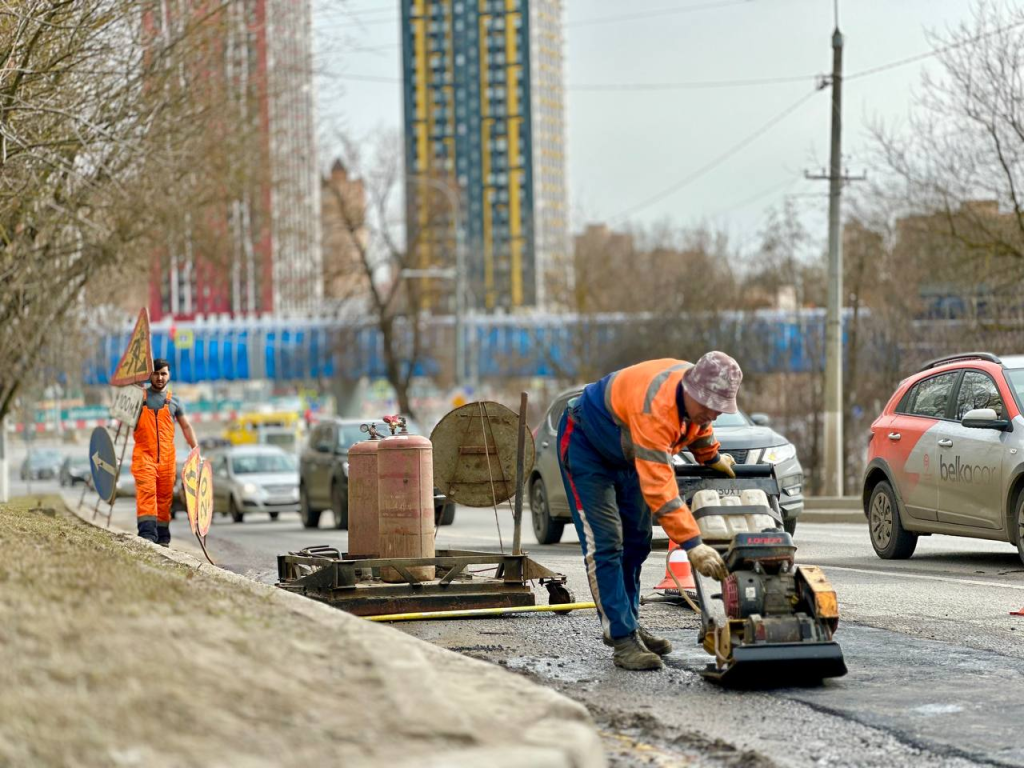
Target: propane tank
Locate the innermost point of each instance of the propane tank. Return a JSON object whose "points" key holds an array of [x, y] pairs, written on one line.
{"points": [[363, 514], [405, 475]]}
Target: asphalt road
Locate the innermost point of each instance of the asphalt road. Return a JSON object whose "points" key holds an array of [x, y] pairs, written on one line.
{"points": [[934, 655]]}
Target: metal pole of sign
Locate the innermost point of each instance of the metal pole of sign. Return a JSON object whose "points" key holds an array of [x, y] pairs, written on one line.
{"points": [[517, 512], [124, 447], [85, 487]]}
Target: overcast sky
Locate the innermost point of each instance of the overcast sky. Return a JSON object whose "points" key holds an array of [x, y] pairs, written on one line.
{"points": [[628, 149]]}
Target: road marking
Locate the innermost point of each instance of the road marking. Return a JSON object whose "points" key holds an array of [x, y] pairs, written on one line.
{"points": [[904, 574]]}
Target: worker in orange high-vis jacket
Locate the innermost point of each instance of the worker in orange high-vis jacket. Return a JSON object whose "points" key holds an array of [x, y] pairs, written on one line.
{"points": [[153, 459], [615, 447]]}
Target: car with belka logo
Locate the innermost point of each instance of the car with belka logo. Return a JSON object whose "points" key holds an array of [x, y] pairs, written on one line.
{"points": [[946, 456]]}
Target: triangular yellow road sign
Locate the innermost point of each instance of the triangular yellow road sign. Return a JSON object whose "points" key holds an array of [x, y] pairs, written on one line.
{"points": [[137, 361]]}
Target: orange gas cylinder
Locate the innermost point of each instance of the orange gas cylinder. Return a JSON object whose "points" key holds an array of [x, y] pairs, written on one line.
{"points": [[363, 516], [405, 481]]}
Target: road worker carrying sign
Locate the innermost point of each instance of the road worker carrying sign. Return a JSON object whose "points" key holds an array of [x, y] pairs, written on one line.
{"points": [[153, 459], [615, 447]]}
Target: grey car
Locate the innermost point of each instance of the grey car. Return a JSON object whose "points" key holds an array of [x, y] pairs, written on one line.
{"points": [[254, 478], [749, 439], [323, 470]]}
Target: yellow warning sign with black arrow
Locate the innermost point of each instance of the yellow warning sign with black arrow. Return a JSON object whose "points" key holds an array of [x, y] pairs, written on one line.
{"points": [[137, 361]]}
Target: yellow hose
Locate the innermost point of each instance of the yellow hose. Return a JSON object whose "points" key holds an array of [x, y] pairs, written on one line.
{"points": [[468, 612]]}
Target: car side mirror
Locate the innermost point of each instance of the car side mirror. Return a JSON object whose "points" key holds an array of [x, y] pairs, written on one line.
{"points": [[323, 448], [761, 419], [985, 418]]}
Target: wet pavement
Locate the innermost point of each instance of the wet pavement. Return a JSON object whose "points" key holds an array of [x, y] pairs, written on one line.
{"points": [[935, 659]]}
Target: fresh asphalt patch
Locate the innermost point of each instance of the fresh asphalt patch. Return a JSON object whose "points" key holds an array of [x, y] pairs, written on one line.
{"points": [[940, 697]]}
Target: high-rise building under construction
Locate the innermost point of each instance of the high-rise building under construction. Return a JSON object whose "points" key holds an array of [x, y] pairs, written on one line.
{"points": [[484, 137]]}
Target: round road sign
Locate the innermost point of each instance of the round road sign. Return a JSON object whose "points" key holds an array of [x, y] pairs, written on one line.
{"points": [[475, 454], [205, 499], [190, 487], [103, 462]]}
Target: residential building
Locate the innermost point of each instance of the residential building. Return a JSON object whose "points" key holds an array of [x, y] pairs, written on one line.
{"points": [[343, 206], [484, 139], [253, 247]]}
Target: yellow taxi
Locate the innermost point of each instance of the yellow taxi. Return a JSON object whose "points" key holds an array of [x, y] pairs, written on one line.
{"points": [[282, 428]]}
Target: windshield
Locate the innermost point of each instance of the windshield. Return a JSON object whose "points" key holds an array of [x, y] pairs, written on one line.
{"points": [[257, 463], [731, 420], [349, 435], [1016, 379]]}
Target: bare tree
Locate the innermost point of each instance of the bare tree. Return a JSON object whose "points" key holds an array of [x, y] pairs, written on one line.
{"points": [[100, 137], [395, 301], [962, 161]]}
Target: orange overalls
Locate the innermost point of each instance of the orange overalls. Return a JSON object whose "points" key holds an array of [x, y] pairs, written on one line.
{"points": [[615, 447], [154, 466]]}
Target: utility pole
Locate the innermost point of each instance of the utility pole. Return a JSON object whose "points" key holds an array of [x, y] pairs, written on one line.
{"points": [[834, 454]]}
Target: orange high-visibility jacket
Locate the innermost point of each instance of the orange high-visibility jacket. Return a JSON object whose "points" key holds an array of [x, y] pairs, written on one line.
{"points": [[637, 415], [154, 436]]}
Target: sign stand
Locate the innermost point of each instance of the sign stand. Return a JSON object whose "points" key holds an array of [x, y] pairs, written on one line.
{"points": [[134, 367], [120, 462]]}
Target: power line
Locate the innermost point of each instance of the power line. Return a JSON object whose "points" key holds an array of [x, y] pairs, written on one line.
{"points": [[784, 184], [657, 12], [688, 85], [930, 54], [654, 13], [598, 87], [734, 149]]}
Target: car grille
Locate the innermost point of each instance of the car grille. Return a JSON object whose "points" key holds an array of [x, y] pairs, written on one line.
{"points": [[281, 490], [739, 454]]}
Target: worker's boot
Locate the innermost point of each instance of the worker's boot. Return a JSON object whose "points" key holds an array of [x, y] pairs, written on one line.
{"points": [[147, 530], [658, 645], [163, 534], [631, 653]]}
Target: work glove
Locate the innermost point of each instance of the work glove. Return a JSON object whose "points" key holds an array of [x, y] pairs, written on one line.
{"points": [[707, 562], [724, 465]]}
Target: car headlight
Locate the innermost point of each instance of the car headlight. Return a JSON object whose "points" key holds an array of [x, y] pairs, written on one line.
{"points": [[250, 489], [779, 453]]}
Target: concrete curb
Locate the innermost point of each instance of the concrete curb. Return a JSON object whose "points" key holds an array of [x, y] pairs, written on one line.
{"points": [[559, 733], [833, 502], [832, 516]]}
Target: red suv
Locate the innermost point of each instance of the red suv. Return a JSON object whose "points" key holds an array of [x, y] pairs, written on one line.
{"points": [[946, 455]]}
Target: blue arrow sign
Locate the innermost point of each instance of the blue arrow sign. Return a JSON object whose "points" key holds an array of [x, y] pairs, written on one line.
{"points": [[103, 462]]}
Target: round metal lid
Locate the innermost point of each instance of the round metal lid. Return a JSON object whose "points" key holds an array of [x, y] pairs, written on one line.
{"points": [[475, 454]]}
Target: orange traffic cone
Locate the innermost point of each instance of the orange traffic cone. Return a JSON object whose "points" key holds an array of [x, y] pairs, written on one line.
{"points": [[679, 565]]}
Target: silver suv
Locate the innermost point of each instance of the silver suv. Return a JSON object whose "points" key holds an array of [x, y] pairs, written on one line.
{"points": [[748, 439]]}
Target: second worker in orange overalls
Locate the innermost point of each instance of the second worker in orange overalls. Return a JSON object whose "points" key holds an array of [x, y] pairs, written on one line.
{"points": [[153, 459]]}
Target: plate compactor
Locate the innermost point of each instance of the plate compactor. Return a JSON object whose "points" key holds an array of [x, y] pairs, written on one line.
{"points": [[771, 621]]}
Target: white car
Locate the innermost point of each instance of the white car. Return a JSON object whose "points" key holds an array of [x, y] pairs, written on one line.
{"points": [[254, 478]]}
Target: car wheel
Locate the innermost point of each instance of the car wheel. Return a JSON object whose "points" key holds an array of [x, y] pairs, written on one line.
{"points": [[447, 513], [339, 505], [889, 538], [310, 517], [546, 530], [789, 525], [1020, 526], [236, 515], [273, 515]]}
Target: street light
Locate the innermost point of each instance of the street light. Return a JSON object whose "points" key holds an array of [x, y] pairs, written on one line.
{"points": [[458, 274]]}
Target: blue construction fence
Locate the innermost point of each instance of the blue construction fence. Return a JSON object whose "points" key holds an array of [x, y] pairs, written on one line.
{"points": [[552, 346]]}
